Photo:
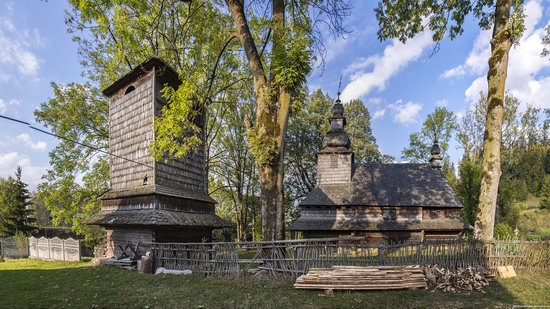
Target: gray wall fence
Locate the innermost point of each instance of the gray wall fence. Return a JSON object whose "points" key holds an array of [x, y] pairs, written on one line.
{"points": [[42, 248], [10, 249], [54, 249]]}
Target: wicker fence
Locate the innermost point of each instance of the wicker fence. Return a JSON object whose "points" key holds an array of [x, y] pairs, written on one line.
{"points": [[294, 257]]}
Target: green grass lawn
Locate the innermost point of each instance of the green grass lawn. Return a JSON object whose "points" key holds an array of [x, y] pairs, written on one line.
{"points": [[30, 283]]}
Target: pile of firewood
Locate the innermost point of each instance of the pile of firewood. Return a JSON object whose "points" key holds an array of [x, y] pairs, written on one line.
{"points": [[363, 278], [460, 280]]}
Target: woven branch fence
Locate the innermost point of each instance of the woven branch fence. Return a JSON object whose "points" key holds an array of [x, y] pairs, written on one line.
{"points": [[295, 257]]}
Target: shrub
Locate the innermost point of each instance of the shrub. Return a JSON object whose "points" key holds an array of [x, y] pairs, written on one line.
{"points": [[503, 231]]}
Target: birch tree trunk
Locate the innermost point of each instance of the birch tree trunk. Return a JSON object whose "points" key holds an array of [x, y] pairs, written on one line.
{"points": [[501, 43]]}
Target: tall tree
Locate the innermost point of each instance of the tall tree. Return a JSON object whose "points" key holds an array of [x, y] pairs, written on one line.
{"points": [[15, 202], [467, 187], [234, 181], [404, 19], [439, 125], [523, 150], [78, 113], [363, 142], [277, 77], [306, 130]]}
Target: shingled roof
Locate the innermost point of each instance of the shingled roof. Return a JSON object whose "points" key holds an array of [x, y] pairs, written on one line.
{"points": [[313, 224], [408, 184], [156, 217], [158, 189]]}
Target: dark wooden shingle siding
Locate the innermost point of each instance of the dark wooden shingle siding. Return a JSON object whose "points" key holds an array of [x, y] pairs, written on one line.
{"points": [[186, 173], [131, 134]]}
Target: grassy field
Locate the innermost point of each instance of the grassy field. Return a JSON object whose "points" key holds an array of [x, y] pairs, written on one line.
{"points": [[30, 283]]}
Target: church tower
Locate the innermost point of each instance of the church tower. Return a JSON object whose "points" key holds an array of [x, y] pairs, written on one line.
{"points": [[150, 200], [335, 160]]}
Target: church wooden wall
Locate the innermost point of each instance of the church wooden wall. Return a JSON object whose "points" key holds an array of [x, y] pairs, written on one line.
{"points": [[131, 134], [131, 118], [334, 168], [122, 236], [185, 173]]}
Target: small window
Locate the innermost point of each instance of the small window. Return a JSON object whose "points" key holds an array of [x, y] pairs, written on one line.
{"points": [[129, 89], [333, 161]]}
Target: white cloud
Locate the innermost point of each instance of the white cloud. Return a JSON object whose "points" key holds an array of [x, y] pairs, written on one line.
{"points": [[16, 45], [458, 71], [26, 138], [4, 106], [405, 113], [525, 63], [379, 113], [31, 175], [476, 62], [368, 74], [376, 100]]}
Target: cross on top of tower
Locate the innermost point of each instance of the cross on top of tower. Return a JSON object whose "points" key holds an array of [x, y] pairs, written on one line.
{"points": [[339, 90]]}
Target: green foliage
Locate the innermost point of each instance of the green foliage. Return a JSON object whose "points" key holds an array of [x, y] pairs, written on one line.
{"points": [[545, 194], [263, 148], [363, 142], [404, 19], [41, 212], [467, 188], [535, 224], [177, 132], [293, 62], [232, 170], [77, 112], [441, 125], [20, 242], [503, 231], [523, 150], [70, 203], [15, 210], [115, 36], [306, 130]]}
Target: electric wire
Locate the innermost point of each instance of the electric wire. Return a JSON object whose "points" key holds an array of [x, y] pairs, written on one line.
{"points": [[73, 141]]}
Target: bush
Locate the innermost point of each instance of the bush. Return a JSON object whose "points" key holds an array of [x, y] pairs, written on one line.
{"points": [[503, 231]]}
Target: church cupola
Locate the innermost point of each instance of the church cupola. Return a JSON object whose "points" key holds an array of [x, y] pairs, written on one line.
{"points": [[336, 138], [335, 160], [435, 159]]}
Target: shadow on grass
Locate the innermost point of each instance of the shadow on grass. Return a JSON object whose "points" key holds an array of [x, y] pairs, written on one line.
{"points": [[112, 287]]}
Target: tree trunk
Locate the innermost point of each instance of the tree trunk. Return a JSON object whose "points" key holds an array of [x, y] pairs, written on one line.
{"points": [[272, 110], [501, 43], [269, 199]]}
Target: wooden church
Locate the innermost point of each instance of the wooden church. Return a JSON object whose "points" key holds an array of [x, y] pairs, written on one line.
{"points": [[149, 200], [381, 202]]}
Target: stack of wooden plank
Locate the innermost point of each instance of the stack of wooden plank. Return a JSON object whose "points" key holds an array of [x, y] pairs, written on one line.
{"points": [[125, 263], [363, 278]]}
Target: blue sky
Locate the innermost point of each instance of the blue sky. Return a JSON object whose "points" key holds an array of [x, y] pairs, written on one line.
{"points": [[400, 84]]}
